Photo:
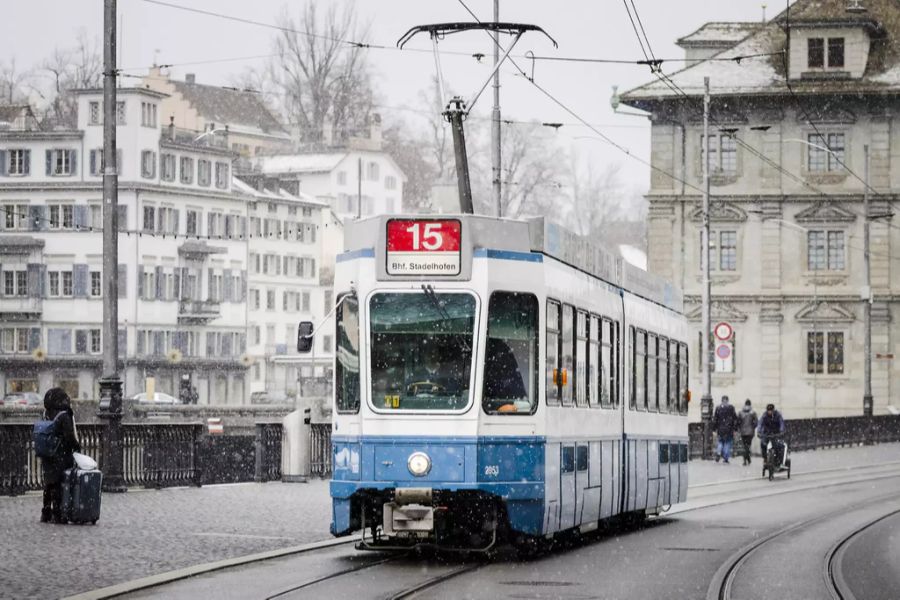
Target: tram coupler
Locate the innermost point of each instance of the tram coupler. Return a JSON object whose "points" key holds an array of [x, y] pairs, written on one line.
{"points": [[410, 514]]}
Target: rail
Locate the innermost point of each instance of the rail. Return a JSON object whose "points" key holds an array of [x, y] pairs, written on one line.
{"points": [[812, 434], [320, 449]]}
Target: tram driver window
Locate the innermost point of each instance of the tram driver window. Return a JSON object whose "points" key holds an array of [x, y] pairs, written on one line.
{"points": [[346, 376], [511, 355], [421, 349]]}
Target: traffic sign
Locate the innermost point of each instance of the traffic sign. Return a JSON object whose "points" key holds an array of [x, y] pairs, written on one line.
{"points": [[723, 351], [723, 331]]}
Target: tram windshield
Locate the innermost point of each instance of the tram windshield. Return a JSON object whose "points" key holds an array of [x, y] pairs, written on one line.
{"points": [[421, 348]]}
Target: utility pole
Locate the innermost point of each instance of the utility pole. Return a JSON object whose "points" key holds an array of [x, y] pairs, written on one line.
{"points": [[867, 292], [495, 119], [110, 408], [359, 188], [706, 401]]}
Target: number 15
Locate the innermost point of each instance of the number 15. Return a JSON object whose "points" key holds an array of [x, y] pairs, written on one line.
{"points": [[432, 238]]}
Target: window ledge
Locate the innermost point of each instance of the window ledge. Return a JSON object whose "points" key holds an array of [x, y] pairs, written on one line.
{"points": [[720, 179], [825, 178], [826, 278], [827, 73]]}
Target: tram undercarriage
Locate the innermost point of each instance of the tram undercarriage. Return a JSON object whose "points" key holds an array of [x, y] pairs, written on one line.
{"points": [[405, 518]]}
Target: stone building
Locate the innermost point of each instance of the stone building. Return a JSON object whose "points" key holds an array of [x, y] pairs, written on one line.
{"points": [[790, 123]]}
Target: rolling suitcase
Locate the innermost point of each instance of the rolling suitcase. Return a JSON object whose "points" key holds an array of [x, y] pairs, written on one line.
{"points": [[81, 495]]}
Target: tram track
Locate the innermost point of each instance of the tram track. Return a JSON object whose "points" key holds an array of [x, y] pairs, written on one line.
{"points": [[834, 573], [724, 580]]}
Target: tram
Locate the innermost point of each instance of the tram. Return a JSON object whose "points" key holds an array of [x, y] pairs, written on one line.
{"points": [[500, 379]]}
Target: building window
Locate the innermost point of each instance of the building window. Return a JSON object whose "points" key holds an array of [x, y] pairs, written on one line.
{"points": [[94, 113], [149, 218], [187, 170], [120, 112], [825, 352], [96, 211], [305, 302], [270, 299], [835, 52], [342, 177], [372, 171], [15, 283], [193, 221], [148, 114], [722, 154], [254, 299], [95, 341], [167, 167], [222, 175], [148, 164], [95, 284], [15, 216], [14, 340], [825, 152], [62, 216], [60, 162], [204, 170], [815, 53], [390, 182], [825, 250], [66, 284], [722, 250], [19, 162], [167, 220]]}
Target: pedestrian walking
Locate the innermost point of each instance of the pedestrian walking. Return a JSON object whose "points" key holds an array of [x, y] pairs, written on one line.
{"points": [[57, 442], [725, 422], [749, 421]]}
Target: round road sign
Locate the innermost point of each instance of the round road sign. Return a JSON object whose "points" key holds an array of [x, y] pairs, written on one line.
{"points": [[723, 331], [723, 351]]}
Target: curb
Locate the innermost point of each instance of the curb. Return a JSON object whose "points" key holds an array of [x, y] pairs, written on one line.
{"points": [[143, 583]]}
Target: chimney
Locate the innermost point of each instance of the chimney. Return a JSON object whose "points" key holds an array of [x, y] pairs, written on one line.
{"points": [[375, 130], [172, 127], [190, 78]]}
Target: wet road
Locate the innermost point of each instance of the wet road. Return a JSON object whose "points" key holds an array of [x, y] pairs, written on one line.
{"points": [[741, 540]]}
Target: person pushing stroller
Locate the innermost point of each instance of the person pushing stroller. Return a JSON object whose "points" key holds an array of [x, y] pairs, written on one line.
{"points": [[771, 427]]}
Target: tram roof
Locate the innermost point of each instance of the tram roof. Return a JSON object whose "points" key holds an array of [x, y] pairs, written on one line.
{"points": [[534, 235]]}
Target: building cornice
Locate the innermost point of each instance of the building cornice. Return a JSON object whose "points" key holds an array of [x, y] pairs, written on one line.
{"points": [[41, 135], [130, 186]]}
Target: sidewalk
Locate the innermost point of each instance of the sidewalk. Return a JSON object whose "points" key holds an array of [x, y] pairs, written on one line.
{"points": [[141, 533]]}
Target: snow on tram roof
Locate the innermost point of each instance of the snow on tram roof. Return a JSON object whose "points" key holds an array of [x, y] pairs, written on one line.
{"points": [[533, 235]]}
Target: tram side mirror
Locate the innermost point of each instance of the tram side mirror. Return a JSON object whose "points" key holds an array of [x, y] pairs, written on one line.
{"points": [[304, 337]]}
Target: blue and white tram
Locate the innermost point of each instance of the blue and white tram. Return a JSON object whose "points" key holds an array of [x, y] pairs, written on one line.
{"points": [[500, 378]]}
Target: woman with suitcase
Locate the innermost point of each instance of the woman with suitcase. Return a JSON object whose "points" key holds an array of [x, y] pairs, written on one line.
{"points": [[58, 410]]}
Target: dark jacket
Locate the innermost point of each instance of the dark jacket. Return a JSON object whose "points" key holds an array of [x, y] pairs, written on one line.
{"points": [[725, 421], [771, 425], [53, 468], [748, 420]]}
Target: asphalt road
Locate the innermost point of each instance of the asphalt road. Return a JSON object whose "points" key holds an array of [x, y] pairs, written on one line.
{"points": [[737, 539]]}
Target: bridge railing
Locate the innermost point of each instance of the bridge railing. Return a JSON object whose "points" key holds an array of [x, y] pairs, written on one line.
{"points": [[811, 434]]}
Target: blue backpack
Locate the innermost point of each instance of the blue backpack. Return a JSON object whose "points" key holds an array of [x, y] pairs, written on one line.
{"points": [[47, 440]]}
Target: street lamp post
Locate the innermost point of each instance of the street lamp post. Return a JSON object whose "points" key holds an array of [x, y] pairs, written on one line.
{"points": [[706, 400]]}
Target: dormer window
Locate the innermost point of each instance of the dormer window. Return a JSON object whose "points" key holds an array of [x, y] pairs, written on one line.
{"points": [[816, 54]]}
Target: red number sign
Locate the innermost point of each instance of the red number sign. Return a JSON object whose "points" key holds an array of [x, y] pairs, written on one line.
{"points": [[423, 247]]}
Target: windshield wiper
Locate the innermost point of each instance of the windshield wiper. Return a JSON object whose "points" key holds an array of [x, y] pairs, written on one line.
{"points": [[432, 297]]}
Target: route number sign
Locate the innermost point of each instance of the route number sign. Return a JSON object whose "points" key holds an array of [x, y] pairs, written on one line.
{"points": [[423, 247], [723, 331]]}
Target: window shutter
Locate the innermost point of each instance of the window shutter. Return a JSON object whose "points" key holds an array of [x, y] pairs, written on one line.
{"points": [[210, 287], [122, 335], [160, 293], [27, 162], [122, 274], [226, 285], [176, 284], [140, 281], [2, 163], [81, 217], [33, 280], [184, 286], [81, 341], [277, 266], [210, 344], [49, 161], [209, 224], [34, 338], [175, 221], [243, 228], [36, 218], [93, 160], [80, 283], [122, 217], [72, 166], [243, 286]]}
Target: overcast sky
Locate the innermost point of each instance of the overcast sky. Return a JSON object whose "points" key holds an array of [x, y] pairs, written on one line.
{"points": [[583, 28]]}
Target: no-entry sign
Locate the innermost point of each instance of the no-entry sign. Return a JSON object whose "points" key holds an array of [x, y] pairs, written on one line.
{"points": [[723, 331], [423, 247]]}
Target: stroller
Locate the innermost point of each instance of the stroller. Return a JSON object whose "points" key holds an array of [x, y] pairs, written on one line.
{"points": [[777, 458]]}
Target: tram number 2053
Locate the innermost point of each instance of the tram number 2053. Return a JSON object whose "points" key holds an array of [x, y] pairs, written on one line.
{"points": [[491, 470]]}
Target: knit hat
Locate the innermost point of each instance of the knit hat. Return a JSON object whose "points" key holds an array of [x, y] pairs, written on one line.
{"points": [[747, 402], [56, 399]]}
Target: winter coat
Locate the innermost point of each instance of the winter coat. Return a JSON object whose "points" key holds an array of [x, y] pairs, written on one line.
{"points": [[749, 421], [53, 468], [725, 421], [771, 425]]}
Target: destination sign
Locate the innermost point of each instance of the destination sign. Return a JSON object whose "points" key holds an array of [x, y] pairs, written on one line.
{"points": [[423, 247]]}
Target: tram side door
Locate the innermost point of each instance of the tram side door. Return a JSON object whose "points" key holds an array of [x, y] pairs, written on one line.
{"points": [[567, 497]]}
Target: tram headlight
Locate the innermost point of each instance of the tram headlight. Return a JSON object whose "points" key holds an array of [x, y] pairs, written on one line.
{"points": [[419, 464]]}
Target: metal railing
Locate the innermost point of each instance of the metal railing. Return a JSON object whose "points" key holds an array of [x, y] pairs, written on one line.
{"points": [[268, 451], [320, 449], [812, 434], [156, 455]]}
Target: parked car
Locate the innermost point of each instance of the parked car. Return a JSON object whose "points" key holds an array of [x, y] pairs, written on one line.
{"points": [[158, 398], [22, 399]]}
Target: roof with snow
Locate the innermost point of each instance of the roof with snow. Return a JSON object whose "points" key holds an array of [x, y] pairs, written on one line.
{"points": [[281, 195], [717, 34], [301, 163], [237, 108], [757, 62]]}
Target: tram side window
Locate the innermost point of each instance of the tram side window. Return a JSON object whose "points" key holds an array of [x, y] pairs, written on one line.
{"points": [[567, 359], [672, 364], [581, 362], [615, 373], [639, 369], [607, 366], [596, 371], [554, 376], [511, 361], [346, 376], [652, 402], [682, 378]]}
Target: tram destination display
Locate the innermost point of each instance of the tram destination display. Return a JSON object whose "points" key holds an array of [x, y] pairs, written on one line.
{"points": [[423, 247]]}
